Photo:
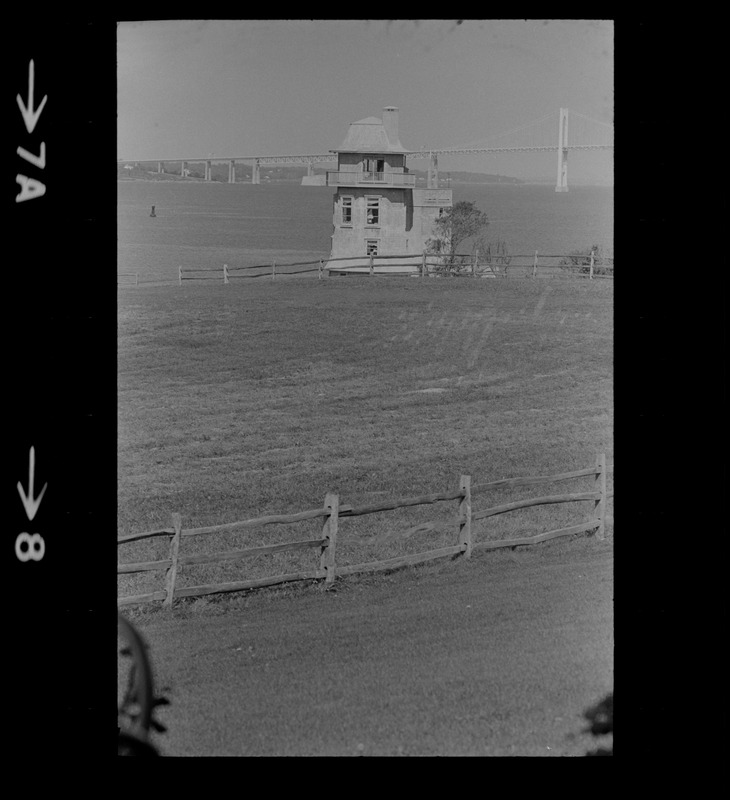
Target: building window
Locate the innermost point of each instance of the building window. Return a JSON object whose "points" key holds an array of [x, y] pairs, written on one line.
{"points": [[374, 169], [373, 211], [347, 211], [371, 247]]}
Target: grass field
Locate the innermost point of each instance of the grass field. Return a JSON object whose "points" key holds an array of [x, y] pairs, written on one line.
{"points": [[496, 656], [242, 400]]}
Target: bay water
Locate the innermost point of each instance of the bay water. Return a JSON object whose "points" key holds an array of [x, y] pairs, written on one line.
{"points": [[208, 224]]}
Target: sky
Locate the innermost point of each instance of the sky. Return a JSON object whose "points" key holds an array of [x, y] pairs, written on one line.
{"points": [[195, 88]]}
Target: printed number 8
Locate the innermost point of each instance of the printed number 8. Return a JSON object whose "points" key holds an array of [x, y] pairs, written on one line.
{"points": [[36, 547]]}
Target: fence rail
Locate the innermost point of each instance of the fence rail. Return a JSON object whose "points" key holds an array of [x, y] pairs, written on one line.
{"points": [[473, 265], [228, 273], [415, 264], [332, 512]]}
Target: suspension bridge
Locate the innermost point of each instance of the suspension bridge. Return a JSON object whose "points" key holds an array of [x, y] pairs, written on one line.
{"points": [[561, 133]]}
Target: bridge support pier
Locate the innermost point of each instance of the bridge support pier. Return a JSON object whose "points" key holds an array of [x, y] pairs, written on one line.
{"points": [[562, 183], [207, 170], [310, 168], [159, 167], [231, 172], [184, 169], [256, 173], [432, 181]]}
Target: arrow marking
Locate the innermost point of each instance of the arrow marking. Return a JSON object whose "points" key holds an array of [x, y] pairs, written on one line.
{"points": [[30, 503], [30, 114]]}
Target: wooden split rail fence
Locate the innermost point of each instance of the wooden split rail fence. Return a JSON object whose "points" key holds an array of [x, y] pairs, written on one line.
{"points": [[468, 265], [426, 265], [227, 274], [332, 512]]}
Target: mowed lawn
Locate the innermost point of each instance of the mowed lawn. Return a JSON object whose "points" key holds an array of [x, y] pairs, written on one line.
{"points": [[499, 655], [260, 396]]}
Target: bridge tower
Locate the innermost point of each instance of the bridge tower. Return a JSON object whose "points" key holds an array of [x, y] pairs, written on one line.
{"points": [[562, 184], [432, 181]]}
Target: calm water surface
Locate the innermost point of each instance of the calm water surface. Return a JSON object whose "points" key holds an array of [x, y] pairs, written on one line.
{"points": [[211, 224]]}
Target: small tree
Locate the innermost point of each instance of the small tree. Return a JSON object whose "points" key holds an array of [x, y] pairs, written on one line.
{"points": [[455, 226], [493, 256], [580, 261]]}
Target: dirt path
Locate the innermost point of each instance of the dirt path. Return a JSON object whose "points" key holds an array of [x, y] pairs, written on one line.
{"points": [[499, 656]]}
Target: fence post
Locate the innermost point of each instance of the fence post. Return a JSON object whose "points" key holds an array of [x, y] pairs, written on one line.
{"points": [[372, 271], [225, 273], [136, 278], [329, 532], [179, 275], [273, 269], [476, 263], [592, 262], [600, 509], [171, 576], [319, 274], [423, 266], [465, 515], [534, 265]]}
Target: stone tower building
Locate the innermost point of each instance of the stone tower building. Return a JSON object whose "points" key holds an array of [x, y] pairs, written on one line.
{"points": [[377, 208]]}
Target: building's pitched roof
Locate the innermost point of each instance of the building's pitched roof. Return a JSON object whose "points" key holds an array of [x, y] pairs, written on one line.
{"points": [[368, 136]]}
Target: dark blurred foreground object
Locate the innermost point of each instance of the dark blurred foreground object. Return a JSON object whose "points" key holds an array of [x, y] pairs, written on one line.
{"points": [[600, 718], [131, 745], [136, 700]]}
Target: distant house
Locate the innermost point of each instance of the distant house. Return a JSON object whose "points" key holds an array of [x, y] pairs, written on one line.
{"points": [[377, 209]]}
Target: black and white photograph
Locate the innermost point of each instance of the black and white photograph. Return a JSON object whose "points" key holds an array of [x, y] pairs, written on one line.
{"points": [[364, 386]]}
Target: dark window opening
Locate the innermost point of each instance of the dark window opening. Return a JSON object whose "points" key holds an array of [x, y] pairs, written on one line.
{"points": [[373, 211]]}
